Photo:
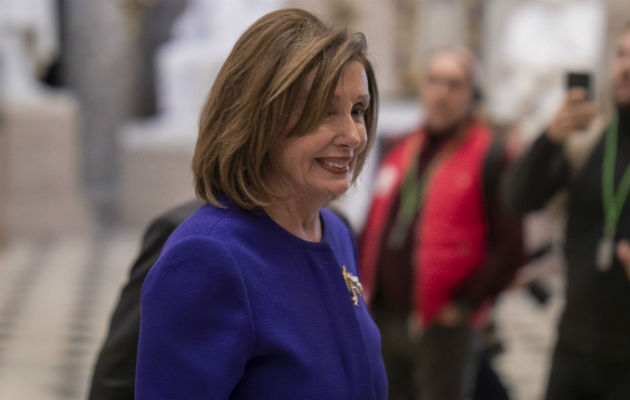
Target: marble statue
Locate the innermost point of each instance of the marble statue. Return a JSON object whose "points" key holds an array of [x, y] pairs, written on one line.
{"points": [[202, 39], [541, 41], [28, 44]]}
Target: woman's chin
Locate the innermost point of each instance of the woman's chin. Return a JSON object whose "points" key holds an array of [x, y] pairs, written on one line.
{"points": [[339, 190], [325, 191]]}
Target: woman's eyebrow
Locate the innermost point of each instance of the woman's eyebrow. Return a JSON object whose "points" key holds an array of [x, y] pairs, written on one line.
{"points": [[361, 98]]}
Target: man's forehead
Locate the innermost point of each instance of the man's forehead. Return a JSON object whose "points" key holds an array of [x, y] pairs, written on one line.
{"points": [[451, 64]]}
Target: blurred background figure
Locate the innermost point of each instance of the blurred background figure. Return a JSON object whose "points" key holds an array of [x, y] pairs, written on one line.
{"points": [[437, 245], [592, 355], [201, 39], [91, 157], [28, 45], [540, 40]]}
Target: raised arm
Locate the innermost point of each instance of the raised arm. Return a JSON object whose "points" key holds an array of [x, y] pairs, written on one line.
{"points": [[543, 170]]}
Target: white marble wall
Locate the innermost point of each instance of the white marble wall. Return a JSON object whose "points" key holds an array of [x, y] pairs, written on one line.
{"points": [[40, 166]]}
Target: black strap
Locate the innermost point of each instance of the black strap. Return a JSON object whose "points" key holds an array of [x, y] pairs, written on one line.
{"points": [[492, 167]]}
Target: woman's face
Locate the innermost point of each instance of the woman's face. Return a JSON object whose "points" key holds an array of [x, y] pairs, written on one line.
{"points": [[320, 164]]}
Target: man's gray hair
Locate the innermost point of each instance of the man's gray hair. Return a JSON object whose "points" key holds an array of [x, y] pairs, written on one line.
{"points": [[469, 61]]}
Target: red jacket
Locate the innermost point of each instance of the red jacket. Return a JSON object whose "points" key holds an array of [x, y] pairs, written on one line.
{"points": [[452, 237]]}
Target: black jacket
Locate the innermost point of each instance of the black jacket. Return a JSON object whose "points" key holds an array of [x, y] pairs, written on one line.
{"points": [[115, 369], [596, 318]]}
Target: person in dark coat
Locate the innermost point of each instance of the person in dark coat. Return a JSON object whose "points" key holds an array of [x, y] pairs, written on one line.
{"points": [[114, 373], [591, 359]]}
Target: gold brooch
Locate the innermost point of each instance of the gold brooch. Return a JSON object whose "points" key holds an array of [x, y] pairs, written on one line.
{"points": [[354, 286]]}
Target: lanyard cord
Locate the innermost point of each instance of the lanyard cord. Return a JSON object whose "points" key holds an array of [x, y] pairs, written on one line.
{"points": [[412, 193], [612, 199]]}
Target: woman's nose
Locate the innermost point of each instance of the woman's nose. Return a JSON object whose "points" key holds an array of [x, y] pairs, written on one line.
{"points": [[350, 133]]}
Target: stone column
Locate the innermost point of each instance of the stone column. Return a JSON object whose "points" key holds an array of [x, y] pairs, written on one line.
{"points": [[442, 23], [100, 66]]}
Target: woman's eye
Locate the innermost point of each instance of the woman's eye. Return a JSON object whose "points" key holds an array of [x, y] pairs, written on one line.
{"points": [[358, 112]]}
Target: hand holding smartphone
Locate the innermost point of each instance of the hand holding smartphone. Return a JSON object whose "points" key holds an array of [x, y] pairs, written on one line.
{"points": [[576, 112], [582, 80]]}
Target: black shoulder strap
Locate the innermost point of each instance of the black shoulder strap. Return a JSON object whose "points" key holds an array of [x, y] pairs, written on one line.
{"points": [[492, 167]]}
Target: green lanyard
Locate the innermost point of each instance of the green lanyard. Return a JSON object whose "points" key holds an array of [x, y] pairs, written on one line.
{"points": [[612, 199], [411, 197]]}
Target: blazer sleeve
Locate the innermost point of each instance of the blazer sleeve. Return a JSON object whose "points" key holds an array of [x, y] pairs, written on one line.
{"points": [[196, 330]]}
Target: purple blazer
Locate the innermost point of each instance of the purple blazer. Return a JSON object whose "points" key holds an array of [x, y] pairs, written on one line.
{"points": [[236, 307]]}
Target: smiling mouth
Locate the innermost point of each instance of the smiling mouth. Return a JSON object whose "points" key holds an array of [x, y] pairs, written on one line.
{"points": [[335, 165]]}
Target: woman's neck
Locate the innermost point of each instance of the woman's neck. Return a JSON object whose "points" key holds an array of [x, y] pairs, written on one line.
{"points": [[301, 218]]}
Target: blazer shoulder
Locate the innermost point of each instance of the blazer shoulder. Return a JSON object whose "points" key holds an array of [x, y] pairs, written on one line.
{"points": [[201, 222], [181, 212]]}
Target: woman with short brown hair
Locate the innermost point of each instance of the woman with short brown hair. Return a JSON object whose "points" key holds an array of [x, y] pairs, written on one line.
{"points": [[259, 92], [256, 295]]}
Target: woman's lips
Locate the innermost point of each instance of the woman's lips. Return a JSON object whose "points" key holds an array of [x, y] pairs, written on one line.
{"points": [[336, 165]]}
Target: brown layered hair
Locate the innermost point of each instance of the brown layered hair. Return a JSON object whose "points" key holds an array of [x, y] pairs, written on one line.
{"points": [[256, 92]]}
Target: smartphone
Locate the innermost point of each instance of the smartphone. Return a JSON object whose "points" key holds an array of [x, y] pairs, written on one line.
{"points": [[580, 80]]}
